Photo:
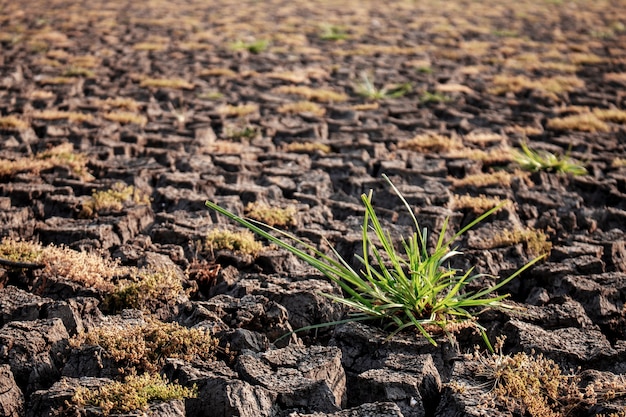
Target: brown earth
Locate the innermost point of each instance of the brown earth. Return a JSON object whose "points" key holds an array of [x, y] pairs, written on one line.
{"points": [[261, 102]]}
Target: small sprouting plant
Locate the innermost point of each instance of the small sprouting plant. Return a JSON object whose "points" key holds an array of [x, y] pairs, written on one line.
{"points": [[134, 393], [144, 346], [428, 97], [240, 242], [272, 216], [255, 47], [113, 200], [367, 89], [532, 160], [415, 288], [239, 132], [333, 32]]}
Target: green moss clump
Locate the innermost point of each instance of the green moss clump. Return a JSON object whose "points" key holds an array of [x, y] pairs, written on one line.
{"points": [[240, 242], [135, 393], [143, 347], [112, 200], [272, 216]]}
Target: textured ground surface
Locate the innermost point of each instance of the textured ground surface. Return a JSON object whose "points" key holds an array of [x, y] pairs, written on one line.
{"points": [[262, 102]]}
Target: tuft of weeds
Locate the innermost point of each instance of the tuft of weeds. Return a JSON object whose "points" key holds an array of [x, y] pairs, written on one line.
{"points": [[135, 393], [20, 251], [333, 32], [61, 80], [71, 116], [255, 47], [585, 122], [431, 143], [367, 89], [124, 117], [272, 216], [59, 156], [175, 83], [527, 383], [535, 241], [414, 288], [315, 94], [436, 97], [302, 107], [144, 286], [611, 115], [144, 346], [239, 132], [531, 160], [239, 242], [530, 384], [307, 147], [478, 204], [89, 269], [218, 72], [484, 179], [113, 200], [12, 122], [240, 110], [79, 72]]}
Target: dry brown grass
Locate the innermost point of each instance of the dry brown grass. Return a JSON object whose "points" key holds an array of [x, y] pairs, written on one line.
{"points": [[315, 94], [175, 83], [71, 116], [59, 156], [239, 110], [307, 147], [302, 107], [12, 122], [584, 122], [432, 143], [144, 347], [124, 117]]}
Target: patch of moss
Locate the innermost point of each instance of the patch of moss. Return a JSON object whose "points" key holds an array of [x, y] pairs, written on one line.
{"points": [[20, 250], [12, 122], [175, 83], [535, 241], [240, 242], [124, 117], [144, 346], [307, 147], [272, 216], [315, 94], [58, 156], [585, 122], [113, 200], [240, 110], [133, 394], [144, 286]]}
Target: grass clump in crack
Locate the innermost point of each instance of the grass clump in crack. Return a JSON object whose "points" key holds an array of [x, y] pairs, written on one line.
{"points": [[135, 393], [532, 160], [415, 288], [367, 89]]}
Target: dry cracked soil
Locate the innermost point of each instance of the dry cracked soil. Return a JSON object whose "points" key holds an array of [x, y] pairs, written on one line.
{"points": [[119, 119]]}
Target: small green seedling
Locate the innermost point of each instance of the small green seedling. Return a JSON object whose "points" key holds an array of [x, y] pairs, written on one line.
{"points": [[414, 289], [367, 89], [533, 161]]}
